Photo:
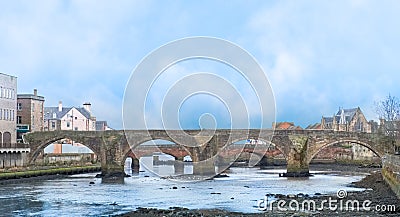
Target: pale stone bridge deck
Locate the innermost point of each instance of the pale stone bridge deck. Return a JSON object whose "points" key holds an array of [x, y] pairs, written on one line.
{"points": [[298, 146]]}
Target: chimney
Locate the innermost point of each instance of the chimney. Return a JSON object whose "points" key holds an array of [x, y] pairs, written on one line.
{"points": [[35, 92], [87, 106], [60, 106]]}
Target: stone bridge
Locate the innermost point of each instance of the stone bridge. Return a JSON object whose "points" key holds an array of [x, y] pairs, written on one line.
{"points": [[208, 147]]}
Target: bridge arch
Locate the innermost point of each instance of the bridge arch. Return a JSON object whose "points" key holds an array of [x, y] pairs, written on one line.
{"points": [[362, 143], [36, 150], [268, 143], [178, 152]]}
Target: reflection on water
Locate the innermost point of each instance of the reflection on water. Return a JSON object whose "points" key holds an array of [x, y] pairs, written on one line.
{"points": [[74, 196]]}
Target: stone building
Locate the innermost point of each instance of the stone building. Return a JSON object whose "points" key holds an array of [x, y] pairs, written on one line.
{"points": [[69, 118], [30, 113], [8, 105], [352, 120]]}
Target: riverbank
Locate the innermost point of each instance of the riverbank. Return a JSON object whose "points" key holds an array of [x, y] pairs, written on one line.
{"points": [[379, 193], [45, 173]]}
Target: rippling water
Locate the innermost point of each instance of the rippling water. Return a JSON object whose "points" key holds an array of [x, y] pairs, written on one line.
{"points": [[74, 196]]}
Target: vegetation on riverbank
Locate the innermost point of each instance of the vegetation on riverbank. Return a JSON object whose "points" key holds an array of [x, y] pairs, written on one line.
{"points": [[48, 171]]}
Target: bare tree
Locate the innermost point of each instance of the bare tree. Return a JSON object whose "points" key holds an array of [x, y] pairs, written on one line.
{"points": [[388, 109]]}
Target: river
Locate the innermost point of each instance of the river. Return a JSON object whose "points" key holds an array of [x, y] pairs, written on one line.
{"points": [[74, 196]]}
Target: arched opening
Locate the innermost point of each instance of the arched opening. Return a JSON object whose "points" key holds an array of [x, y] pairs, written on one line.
{"points": [[160, 157], [64, 152], [263, 152], [6, 139], [346, 152]]}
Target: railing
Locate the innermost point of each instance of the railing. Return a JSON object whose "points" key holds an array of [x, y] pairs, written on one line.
{"points": [[14, 145]]}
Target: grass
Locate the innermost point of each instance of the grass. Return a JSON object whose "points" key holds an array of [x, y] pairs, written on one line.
{"points": [[52, 171]]}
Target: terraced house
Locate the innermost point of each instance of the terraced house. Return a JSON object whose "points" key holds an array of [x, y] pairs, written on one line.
{"points": [[11, 153], [69, 118]]}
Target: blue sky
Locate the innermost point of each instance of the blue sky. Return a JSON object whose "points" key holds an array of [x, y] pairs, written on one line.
{"points": [[317, 55]]}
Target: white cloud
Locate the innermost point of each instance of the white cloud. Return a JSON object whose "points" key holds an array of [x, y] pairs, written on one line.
{"points": [[322, 55]]}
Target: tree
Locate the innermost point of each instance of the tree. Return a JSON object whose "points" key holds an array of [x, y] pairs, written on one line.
{"points": [[388, 109]]}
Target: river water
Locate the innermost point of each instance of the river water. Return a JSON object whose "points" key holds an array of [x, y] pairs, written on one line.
{"points": [[74, 196]]}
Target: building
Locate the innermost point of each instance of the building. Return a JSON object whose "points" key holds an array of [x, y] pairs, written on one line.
{"points": [[11, 153], [102, 126], [30, 113], [69, 118], [352, 120], [8, 105], [285, 126]]}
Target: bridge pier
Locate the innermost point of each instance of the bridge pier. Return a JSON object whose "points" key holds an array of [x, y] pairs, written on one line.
{"points": [[222, 164], [135, 165], [264, 162], [297, 161], [297, 169], [179, 166], [204, 168]]}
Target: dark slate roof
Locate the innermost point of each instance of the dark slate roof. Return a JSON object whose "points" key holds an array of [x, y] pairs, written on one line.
{"points": [[314, 126], [100, 125], [84, 112], [49, 111], [348, 113], [328, 119]]}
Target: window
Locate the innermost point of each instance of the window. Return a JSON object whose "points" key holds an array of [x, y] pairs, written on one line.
{"points": [[19, 106], [76, 118], [1, 114], [53, 125], [68, 124], [19, 120], [76, 128], [12, 115]]}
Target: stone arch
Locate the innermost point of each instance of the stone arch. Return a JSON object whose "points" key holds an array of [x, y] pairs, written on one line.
{"points": [[364, 144], [181, 155], [129, 153], [42, 145], [280, 148]]}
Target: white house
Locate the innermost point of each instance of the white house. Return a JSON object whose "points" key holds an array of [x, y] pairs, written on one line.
{"points": [[69, 118]]}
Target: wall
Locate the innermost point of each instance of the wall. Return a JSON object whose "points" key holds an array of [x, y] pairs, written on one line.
{"points": [[391, 172], [8, 106]]}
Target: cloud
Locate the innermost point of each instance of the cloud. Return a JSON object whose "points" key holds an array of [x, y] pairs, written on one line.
{"points": [[322, 55], [318, 55], [71, 50]]}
